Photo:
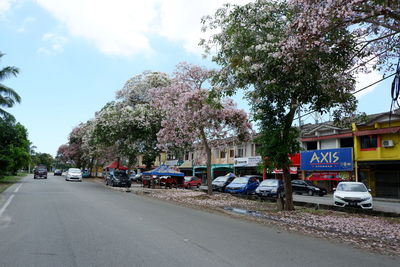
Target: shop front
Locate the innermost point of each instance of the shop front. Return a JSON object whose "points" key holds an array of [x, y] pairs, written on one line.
{"points": [[327, 167], [382, 177]]}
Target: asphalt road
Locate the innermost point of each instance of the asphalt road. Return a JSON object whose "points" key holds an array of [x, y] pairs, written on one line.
{"points": [[57, 223]]}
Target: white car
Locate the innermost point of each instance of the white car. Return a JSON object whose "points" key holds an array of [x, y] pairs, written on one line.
{"points": [[74, 174], [352, 194]]}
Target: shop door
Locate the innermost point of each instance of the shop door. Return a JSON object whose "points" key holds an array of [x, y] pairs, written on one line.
{"points": [[387, 184]]}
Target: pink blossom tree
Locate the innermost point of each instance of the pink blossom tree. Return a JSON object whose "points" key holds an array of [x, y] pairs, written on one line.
{"points": [[192, 116], [374, 25]]}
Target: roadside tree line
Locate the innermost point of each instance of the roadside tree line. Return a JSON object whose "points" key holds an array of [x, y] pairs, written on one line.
{"points": [[286, 55]]}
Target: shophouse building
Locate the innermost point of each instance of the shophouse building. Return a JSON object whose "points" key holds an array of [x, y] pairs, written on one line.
{"points": [[377, 153], [327, 156]]}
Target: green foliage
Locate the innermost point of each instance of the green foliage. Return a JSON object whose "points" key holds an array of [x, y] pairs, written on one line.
{"points": [[8, 97], [43, 159], [14, 146]]}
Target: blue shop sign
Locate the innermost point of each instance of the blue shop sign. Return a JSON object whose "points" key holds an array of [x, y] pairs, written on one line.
{"points": [[338, 159]]}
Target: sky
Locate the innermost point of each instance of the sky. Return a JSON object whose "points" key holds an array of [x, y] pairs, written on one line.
{"points": [[73, 56]]}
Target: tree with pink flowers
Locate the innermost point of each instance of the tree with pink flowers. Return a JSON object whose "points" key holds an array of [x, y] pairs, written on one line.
{"points": [[194, 117]]}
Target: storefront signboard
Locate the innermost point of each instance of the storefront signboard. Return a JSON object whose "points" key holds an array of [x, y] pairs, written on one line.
{"points": [[247, 162], [337, 159]]}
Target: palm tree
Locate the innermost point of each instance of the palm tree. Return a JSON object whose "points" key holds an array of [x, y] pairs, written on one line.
{"points": [[8, 97]]}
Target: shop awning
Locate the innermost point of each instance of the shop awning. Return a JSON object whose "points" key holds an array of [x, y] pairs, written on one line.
{"points": [[115, 165], [164, 170], [328, 176]]}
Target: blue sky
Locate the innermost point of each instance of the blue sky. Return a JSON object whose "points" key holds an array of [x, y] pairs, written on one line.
{"points": [[74, 54]]}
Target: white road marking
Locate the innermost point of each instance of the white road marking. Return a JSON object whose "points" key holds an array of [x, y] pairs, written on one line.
{"points": [[16, 189], [6, 205]]}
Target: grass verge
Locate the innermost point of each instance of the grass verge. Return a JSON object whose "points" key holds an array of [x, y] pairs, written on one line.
{"points": [[8, 181]]}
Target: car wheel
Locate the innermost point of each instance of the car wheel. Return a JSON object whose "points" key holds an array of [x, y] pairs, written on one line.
{"points": [[198, 185], [310, 192]]}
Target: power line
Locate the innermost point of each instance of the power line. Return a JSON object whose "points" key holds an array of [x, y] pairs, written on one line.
{"points": [[353, 92]]}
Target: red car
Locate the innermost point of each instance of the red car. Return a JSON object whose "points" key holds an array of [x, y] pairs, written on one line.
{"points": [[191, 181]]}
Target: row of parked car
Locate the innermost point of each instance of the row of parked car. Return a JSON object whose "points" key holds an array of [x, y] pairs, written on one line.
{"points": [[352, 194], [250, 184]]}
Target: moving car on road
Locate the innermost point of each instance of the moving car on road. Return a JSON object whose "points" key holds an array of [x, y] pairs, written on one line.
{"points": [[352, 194], [118, 178], [270, 188], [191, 181], [40, 172], [74, 174], [243, 185], [220, 183], [57, 172], [307, 187]]}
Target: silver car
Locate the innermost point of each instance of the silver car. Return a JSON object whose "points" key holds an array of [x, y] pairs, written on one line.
{"points": [[74, 174]]}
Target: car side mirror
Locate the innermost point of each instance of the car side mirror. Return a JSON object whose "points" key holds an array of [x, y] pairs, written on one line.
{"points": [[334, 189]]}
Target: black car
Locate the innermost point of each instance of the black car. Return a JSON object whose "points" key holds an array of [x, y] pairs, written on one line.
{"points": [[219, 183], [57, 172], [118, 178], [307, 187], [40, 172], [270, 188]]}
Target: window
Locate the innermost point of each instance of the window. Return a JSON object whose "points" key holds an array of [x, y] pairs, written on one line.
{"points": [[231, 153], [239, 153], [369, 141], [346, 142], [222, 154], [312, 145], [186, 156]]}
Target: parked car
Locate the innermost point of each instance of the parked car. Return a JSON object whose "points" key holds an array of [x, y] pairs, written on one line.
{"points": [[307, 187], [118, 178], [191, 181], [220, 183], [243, 185], [40, 172], [74, 174], [270, 188], [57, 172], [352, 194], [85, 174], [136, 177]]}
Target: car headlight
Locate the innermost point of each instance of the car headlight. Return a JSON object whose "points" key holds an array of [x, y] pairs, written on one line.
{"points": [[273, 190], [338, 197], [316, 188], [366, 198], [257, 190]]}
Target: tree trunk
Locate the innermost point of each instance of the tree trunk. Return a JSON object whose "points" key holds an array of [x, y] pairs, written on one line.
{"points": [[287, 182], [208, 152]]}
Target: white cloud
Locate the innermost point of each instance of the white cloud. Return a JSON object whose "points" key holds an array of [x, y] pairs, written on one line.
{"points": [[54, 44], [366, 79], [125, 27], [5, 6]]}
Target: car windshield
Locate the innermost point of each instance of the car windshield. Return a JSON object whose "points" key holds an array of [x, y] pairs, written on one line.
{"points": [[221, 179], [42, 169], [352, 187], [309, 183], [121, 174], [269, 183], [241, 180], [188, 178]]}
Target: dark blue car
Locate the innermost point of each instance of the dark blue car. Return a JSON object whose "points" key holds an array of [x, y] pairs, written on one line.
{"points": [[243, 185]]}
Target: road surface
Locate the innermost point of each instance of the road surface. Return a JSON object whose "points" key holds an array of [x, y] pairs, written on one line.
{"points": [[57, 223]]}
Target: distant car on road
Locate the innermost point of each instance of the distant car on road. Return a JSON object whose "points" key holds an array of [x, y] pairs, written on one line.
{"points": [[307, 187], [270, 188], [243, 185], [191, 181], [352, 194], [57, 172], [118, 178], [220, 183], [40, 172], [74, 174]]}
